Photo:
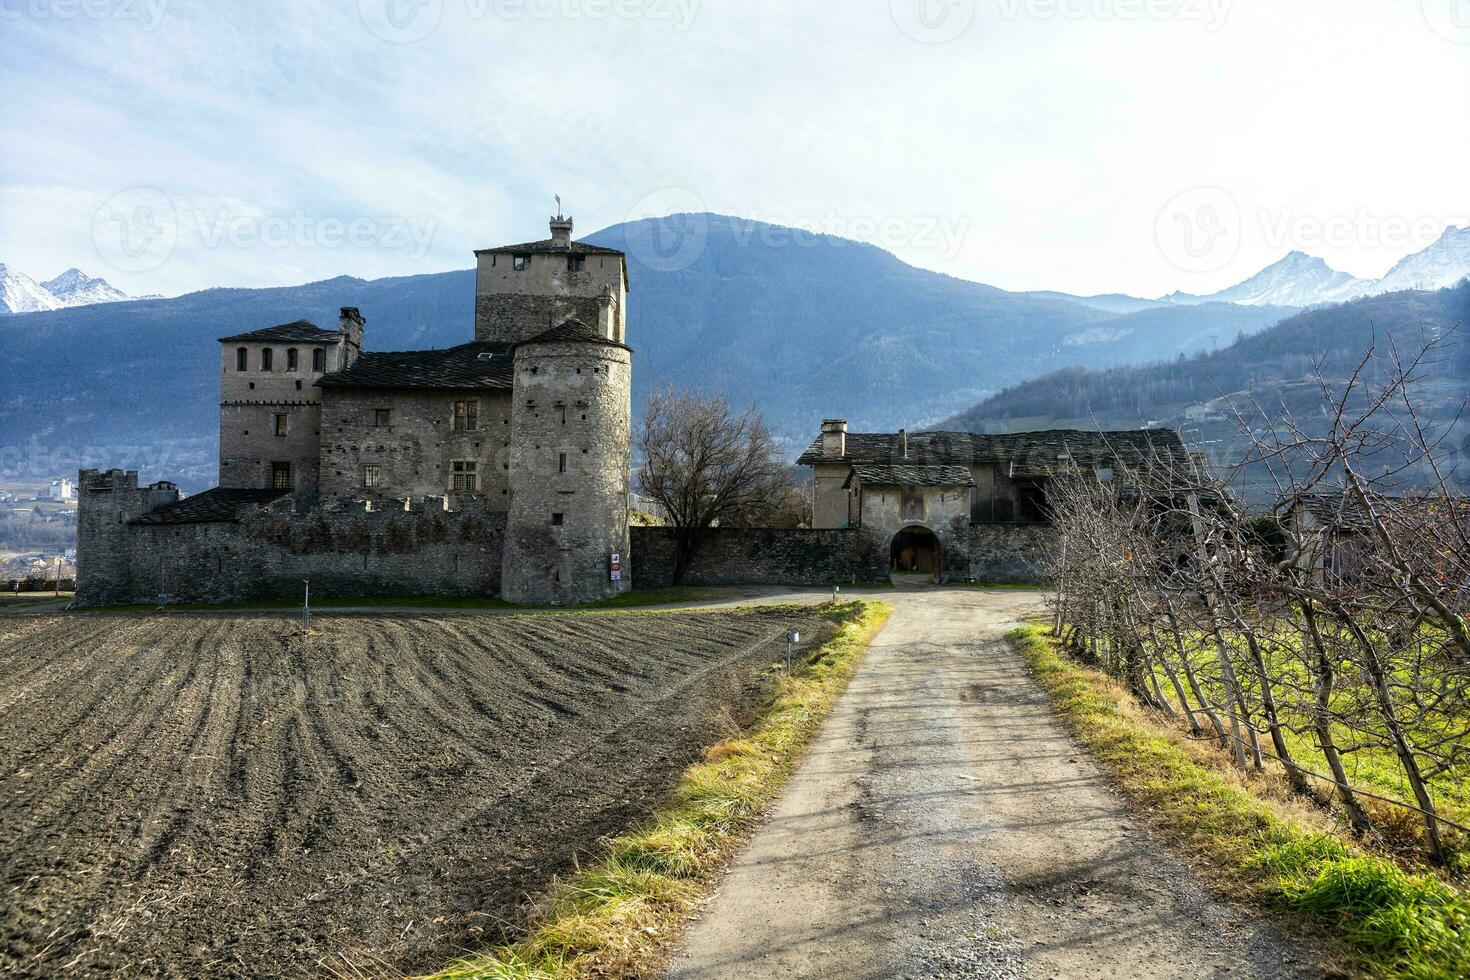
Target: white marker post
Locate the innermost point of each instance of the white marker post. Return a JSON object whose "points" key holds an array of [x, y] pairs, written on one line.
{"points": [[792, 638]]}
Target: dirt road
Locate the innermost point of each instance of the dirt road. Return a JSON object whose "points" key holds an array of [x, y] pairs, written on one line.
{"points": [[944, 825]]}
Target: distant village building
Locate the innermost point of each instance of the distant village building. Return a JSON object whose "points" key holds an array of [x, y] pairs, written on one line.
{"points": [[499, 466], [60, 490]]}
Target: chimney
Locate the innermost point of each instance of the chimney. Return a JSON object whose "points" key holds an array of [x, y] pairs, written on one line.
{"points": [[351, 323], [834, 438], [903, 443], [561, 230]]}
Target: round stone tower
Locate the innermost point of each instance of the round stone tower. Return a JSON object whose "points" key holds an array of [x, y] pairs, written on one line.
{"points": [[566, 536]]}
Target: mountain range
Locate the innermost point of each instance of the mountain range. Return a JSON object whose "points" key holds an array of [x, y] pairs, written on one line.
{"points": [[19, 293], [1302, 280], [806, 327]]}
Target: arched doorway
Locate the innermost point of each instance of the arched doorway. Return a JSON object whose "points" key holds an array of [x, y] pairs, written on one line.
{"points": [[914, 555]]}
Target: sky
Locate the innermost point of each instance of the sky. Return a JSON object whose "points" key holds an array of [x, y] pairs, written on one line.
{"points": [[1136, 146]]}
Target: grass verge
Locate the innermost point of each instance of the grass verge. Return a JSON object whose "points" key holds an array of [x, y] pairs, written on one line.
{"points": [[1394, 922], [618, 917]]}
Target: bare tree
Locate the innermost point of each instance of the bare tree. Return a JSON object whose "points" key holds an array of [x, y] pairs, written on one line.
{"points": [[708, 467]]}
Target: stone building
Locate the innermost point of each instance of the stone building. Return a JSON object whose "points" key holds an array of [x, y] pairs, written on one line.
{"points": [[524, 434], [963, 505]]}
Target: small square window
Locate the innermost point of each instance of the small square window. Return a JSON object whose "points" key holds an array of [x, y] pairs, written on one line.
{"points": [[281, 476], [576, 262], [463, 475], [557, 520], [382, 418], [283, 425], [519, 262]]}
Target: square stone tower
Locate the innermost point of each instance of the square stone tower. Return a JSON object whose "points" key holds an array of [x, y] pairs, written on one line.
{"points": [[524, 290]]}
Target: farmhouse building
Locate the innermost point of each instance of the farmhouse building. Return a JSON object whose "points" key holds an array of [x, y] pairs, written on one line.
{"points": [[517, 442], [964, 505]]}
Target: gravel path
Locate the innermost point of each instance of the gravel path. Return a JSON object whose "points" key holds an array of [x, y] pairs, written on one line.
{"points": [[944, 825]]}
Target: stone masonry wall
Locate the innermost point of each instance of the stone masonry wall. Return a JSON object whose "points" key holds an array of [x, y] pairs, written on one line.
{"points": [[762, 556], [345, 551], [1013, 552]]}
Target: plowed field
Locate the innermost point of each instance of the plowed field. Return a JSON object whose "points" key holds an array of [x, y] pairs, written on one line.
{"points": [[217, 796]]}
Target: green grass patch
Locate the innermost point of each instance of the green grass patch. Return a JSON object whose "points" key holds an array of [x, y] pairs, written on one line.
{"points": [[1394, 922], [618, 917]]}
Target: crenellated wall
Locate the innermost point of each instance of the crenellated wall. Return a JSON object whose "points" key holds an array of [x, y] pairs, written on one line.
{"points": [[343, 550]]}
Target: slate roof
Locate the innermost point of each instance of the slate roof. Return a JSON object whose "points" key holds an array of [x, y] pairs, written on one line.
{"points": [[211, 506], [573, 331], [296, 332], [550, 246], [1024, 454], [478, 364], [881, 475]]}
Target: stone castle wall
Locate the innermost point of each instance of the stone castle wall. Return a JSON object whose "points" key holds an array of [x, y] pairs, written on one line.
{"points": [[763, 556], [342, 551], [1013, 552]]}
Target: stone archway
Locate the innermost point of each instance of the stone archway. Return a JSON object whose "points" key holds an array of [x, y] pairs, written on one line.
{"points": [[914, 554]]}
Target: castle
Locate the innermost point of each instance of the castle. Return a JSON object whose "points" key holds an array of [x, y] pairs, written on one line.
{"points": [[500, 466]]}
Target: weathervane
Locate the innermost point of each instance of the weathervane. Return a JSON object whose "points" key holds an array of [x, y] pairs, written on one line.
{"points": [[558, 204]]}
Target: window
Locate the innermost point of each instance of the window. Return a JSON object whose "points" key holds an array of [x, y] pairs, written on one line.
{"points": [[267, 359], [557, 520], [281, 476], [520, 262], [467, 415], [319, 360], [371, 475], [241, 356], [576, 262], [561, 462], [283, 425], [911, 506], [462, 475], [382, 418], [293, 359]]}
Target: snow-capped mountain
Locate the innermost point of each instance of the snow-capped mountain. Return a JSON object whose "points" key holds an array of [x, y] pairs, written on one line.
{"points": [[75, 288], [19, 293], [1442, 264], [1298, 279]]}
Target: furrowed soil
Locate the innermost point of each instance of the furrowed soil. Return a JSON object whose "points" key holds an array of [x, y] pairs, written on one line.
{"points": [[230, 796]]}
